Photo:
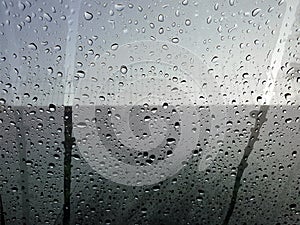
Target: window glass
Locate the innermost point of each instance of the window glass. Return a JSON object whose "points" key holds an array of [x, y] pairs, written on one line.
{"points": [[149, 112]]}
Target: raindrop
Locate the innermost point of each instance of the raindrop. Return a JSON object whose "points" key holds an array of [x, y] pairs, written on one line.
{"points": [[52, 108], [287, 96], [288, 120], [161, 18], [231, 2], [216, 6], [208, 20], [50, 70], [114, 46], [47, 17], [293, 206], [119, 6], [187, 22], [32, 46], [255, 11], [215, 59], [2, 101], [81, 125], [185, 2], [171, 140], [80, 73], [175, 40], [88, 15], [123, 69], [147, 118], [76, 156], [165, 105]]}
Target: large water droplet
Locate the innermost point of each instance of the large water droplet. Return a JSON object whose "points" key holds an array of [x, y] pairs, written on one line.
{"points": [[88, 16]]}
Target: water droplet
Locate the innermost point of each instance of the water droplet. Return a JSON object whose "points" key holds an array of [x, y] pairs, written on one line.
{"points": [[47, 17], [81, 125], [175, 40], [123, 69], [80, 73], [76, 156], [2, 101], [171, 140], [147, 118], [32, 46], [215, 59], [216, 6], [50, 70], [293, 206], [287, 96], [119, 6], [208, 20], [161, 18], [88, 16], [255, 11], [185, 2], [165, 105], [288, 120], [52, 108], [114, 46], [187, 22]]}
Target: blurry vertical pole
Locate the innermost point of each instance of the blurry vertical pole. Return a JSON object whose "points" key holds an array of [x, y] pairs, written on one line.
{"points": [[68, 143], [22, 146], [72, 20], [2, 220], [268, 93]]}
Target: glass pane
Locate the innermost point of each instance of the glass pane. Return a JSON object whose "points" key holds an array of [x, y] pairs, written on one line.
{"points": [[149, 112]]}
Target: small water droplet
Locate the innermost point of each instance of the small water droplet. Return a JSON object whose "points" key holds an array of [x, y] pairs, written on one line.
{"points": [[161, 18], [76, 156], [255, 11], [175, 40], [81, 125], [119, 6], [208, 20], [187, 22], [2, 101], [288, 120], [171, 140], [185, 2], [80, 73], [47, 17], [231, 2], [114, 46], [123, 69], [32, 46], [52, 108]]}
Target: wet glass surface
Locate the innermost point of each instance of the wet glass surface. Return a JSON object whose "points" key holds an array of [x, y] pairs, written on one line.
{"points": [[149, 112]]}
